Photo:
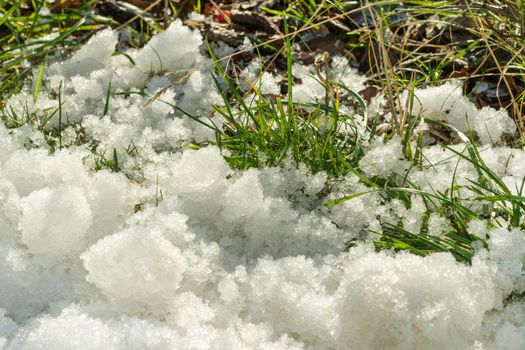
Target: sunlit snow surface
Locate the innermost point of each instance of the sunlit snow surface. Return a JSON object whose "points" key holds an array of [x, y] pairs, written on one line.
{"points": [[229, 260]]}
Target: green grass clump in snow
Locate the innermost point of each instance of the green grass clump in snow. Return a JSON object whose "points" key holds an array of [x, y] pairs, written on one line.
{"points": [[266, 131]]}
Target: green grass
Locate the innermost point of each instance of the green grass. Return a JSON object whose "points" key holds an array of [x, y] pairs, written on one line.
{"points": [[23, 40], [270, 130]]}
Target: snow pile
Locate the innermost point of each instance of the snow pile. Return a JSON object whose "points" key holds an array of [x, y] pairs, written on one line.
{"points": [[311, 87], [198, 256], [155, 78], [133, 255], [44, 227], [384, 158], [447, 103], [386, 304]]}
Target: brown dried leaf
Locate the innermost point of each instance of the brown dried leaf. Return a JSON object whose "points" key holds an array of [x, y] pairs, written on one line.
{"points": [[368, 93]]}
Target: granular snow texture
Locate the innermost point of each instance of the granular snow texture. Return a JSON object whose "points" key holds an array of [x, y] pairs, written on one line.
{"points": [[230, 260]]}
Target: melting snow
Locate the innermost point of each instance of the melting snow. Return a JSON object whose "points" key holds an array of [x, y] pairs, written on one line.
{"points": [[229, 260]]}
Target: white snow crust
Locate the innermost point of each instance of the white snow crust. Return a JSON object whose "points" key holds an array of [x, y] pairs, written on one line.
{"points": [[230, 260]]}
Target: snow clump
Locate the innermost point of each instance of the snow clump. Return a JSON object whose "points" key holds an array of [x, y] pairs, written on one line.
{"points": [[447, 103]]}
